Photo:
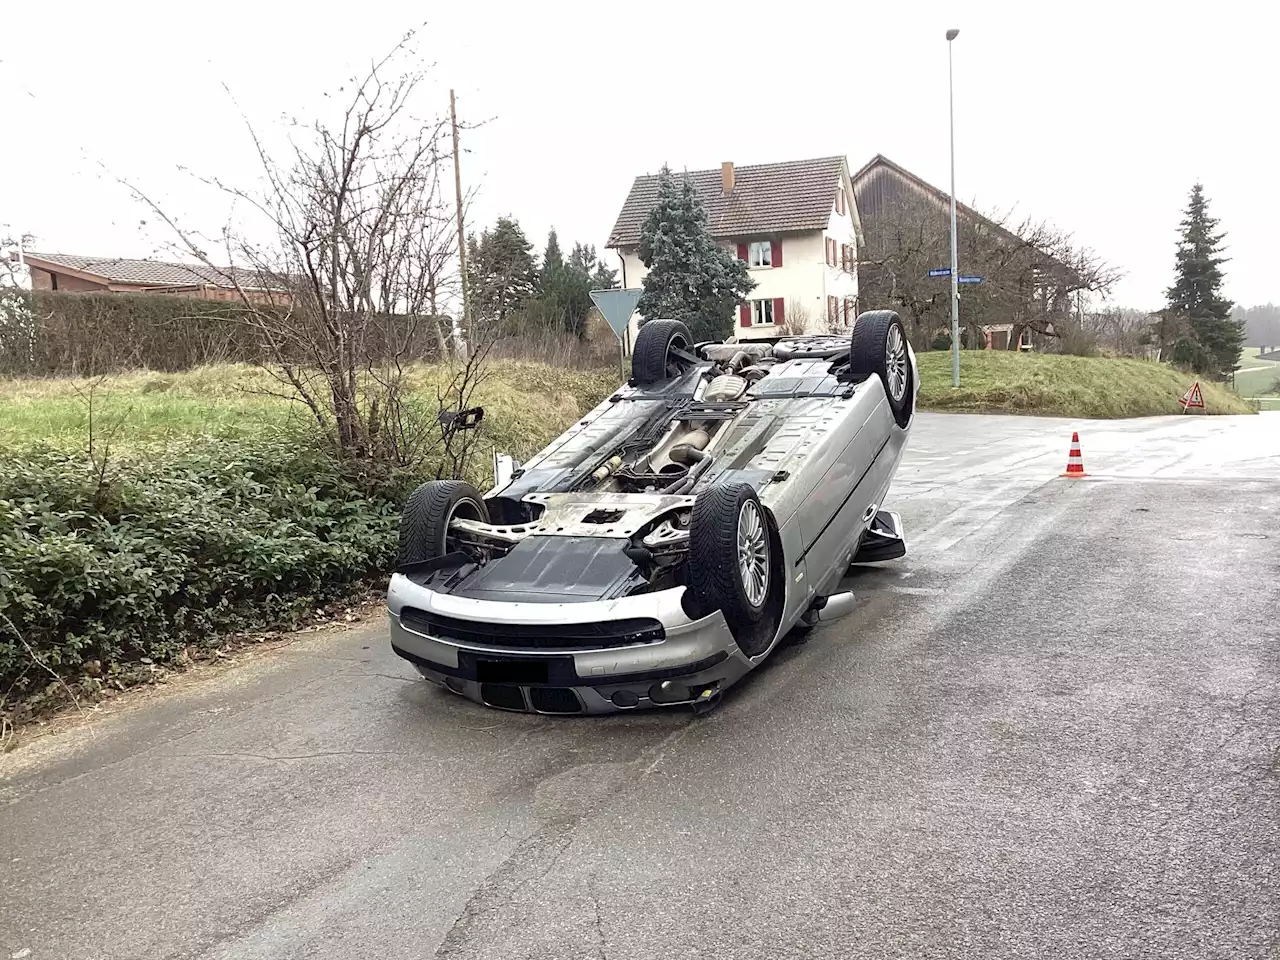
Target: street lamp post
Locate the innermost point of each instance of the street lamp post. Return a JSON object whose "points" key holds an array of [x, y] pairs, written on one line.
{"points": [[955, 267]]}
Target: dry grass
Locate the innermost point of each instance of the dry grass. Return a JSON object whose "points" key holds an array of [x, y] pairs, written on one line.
{"points": [[524, 403]]}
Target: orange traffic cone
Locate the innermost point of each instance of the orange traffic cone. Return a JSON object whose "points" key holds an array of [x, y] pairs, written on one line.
{"points": [[1075, 462]]}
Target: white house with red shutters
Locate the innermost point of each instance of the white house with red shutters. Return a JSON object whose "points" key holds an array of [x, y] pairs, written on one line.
{"points": [[794, 223]]}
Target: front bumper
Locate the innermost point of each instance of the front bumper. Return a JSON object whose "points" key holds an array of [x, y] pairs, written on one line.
{"points": [[693, 660]]}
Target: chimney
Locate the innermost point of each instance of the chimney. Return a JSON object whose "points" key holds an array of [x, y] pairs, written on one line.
{"points": [[726, 176]]}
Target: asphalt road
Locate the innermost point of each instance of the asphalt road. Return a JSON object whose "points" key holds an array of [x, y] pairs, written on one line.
{"points": [[1051, 731]]}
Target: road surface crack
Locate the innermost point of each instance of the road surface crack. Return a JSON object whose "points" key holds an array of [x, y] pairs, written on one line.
{"points": [[537, 855], [532, 859], [604, 947], [323, 754]]}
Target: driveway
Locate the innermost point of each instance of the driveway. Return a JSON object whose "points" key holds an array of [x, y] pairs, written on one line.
{"points": [[1051, 731]]}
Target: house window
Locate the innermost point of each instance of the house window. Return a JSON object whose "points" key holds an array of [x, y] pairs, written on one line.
{"points": [[833, 309], [831, 251], [840, 206], [760, 254], [846, 257], [761, 312]]}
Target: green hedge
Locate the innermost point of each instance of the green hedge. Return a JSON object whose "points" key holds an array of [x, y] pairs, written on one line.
{"points": [[46, 334], [177, 547], [85, 334]]}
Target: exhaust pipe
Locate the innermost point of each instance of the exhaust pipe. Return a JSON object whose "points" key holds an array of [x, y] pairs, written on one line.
{"points": [[834, 607]]}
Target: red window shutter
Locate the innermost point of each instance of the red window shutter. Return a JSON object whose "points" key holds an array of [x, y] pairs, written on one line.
{"points": [[777, 253], [744, 315], [742, 251], [778, 311], [829, 255], [840, 202]]}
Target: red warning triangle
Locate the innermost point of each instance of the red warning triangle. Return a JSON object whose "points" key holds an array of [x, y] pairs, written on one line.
{"points": [[1193, 397]]}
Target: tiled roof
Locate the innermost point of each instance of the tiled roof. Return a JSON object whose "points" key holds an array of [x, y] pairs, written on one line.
{"points": [[766, 198], [154, 272]]}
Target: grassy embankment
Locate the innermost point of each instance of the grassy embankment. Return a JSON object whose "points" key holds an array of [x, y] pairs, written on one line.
{"points": [[528, 403], [1000, 381]]}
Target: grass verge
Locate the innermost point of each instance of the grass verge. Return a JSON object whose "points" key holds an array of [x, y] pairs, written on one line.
{"points": [[231, 401], [214, 518], [999, 381]]}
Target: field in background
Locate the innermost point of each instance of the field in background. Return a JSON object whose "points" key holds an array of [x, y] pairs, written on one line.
{"points": [[526, 404], [1002, 381], [1257, 378]]}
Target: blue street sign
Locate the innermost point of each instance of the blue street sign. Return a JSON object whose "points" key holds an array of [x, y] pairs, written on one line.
{"points": [[968, 279], [940, 272], [617, 306]]}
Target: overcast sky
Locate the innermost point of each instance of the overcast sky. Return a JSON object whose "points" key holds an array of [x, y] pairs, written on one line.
{"points": [[1095, 115]]}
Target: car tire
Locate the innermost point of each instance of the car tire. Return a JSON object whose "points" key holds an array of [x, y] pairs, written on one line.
{"points": [[424, 522], [730, 566], [651, 361], [879, 348]]}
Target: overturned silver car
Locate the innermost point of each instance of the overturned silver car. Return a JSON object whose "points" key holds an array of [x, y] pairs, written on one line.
{"points": [[662, 547]]}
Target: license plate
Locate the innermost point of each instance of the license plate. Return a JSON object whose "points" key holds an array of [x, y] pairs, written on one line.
{"points": [[511, 671]]}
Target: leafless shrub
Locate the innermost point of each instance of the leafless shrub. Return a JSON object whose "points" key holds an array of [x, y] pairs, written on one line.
{"points": [[556, 348], [1075, 338], [362, 251], [798, 319], [1123, 331]]}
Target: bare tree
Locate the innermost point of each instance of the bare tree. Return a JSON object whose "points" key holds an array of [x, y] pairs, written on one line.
{"points": [[361, 257], [799, 319], [1031, 271], [13, 273], [1123, 330], [17, 320]]}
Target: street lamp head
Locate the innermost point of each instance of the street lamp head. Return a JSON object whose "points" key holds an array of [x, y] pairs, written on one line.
{"points": [[952, 34]]}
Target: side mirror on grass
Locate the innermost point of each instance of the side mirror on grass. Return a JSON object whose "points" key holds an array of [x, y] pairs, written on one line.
{"points": [[460, 419]]}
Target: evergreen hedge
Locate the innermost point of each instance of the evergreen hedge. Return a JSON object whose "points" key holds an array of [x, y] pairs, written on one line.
{"points": [[166, 549]]}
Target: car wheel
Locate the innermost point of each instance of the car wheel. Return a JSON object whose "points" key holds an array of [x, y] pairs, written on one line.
{"points": [[730, 567], [424, 522], [652, 360], [879, 348]]}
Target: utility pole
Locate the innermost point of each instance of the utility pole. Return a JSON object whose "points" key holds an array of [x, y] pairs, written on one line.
{"points": [[462, 240], [955, 266]]}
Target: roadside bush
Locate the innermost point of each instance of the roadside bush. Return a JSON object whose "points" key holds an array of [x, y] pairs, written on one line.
{"points": [[167, 549]]}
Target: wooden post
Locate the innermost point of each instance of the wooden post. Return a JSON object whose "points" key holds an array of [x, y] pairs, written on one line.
{"points": [[462, 240]]}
